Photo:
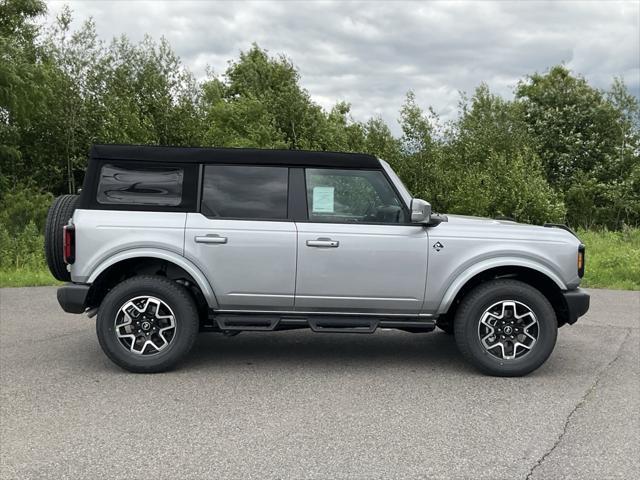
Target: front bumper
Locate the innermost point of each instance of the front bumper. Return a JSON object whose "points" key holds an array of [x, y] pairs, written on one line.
{"points": [[577, 304], [72, 297]]}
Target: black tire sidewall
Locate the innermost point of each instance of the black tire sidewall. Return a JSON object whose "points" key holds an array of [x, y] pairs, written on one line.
{"points": [[475, 304], [58, 216], [186, 319]]}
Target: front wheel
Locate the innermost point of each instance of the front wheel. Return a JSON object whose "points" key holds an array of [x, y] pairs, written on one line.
{"points": [[147, 324], [506, 328]]}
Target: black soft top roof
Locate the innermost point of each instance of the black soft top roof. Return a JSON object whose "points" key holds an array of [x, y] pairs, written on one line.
{"points": [[300, 158]]}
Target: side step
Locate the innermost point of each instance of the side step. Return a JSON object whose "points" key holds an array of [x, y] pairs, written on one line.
{"points": [[318, 323], [338, 324], [247, 322]]}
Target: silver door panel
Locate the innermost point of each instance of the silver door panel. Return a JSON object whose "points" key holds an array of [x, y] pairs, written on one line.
{"points": [[248, 263], [361, 268]]}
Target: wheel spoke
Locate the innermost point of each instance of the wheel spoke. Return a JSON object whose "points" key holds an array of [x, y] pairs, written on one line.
{"points": [[161, 346], [141, 343]]}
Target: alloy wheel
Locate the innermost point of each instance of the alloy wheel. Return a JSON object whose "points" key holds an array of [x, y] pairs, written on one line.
{"points": [[145, 325], [508, 330]]}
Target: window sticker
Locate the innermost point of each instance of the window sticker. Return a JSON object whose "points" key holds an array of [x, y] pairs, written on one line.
{"points": [[323, 199]]}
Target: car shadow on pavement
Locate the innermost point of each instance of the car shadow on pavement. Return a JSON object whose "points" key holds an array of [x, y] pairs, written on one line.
{"points": [[326, 350]]}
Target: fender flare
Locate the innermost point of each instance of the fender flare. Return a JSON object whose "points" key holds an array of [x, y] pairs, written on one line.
{"points": [[167, 255], [477, 268]]}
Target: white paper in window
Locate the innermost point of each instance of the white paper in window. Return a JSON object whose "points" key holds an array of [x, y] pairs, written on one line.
{"points": [[323, 199]]}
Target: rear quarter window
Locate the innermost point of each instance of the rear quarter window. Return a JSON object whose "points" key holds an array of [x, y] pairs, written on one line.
{"points": [[156, 186]]}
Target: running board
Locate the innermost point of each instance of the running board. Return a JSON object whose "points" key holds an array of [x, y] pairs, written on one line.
{"points": [[319, 323], [247, 322]]}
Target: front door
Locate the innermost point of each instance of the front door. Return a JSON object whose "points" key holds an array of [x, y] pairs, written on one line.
{"points": [[242, 239], [358, 252]]}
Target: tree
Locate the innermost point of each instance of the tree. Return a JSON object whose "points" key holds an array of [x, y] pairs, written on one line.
{"points": [[274, 83], [259, 102], [419, 164], [379, 141], [588, 143], [496, 170], [571, 122], [19, 71]]}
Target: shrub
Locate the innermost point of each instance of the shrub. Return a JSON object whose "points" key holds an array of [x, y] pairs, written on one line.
{"points": [[22, 250], [22, 205]]}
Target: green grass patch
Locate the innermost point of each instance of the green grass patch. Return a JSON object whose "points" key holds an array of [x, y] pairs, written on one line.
{"points": [[26, 277], [612, 259]]}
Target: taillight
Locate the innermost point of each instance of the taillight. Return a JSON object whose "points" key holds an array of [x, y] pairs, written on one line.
{"points": [[69, 244], [581, 261]]}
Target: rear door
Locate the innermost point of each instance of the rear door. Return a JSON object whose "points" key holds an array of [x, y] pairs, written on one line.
{"points": [[357, 251], [242, 238]]}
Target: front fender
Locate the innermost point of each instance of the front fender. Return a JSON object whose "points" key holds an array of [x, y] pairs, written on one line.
{"points": [[477, 268], [167, 255]]}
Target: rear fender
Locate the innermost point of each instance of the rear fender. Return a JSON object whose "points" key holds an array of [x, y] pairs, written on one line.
{"points": [[169, 256]]}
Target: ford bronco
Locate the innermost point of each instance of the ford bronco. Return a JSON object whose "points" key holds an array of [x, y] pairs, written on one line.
{"points": [[165, 242]]}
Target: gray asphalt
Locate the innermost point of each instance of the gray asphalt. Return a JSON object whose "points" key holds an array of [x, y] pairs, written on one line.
{"points": [[303, 405]]}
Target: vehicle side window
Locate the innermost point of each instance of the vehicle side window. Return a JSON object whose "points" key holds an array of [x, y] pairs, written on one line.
{"points": [[351, 196], [153, 185], [245, 192]]}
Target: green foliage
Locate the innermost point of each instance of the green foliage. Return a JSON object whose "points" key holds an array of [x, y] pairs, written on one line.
{"points": [[589, 143], [487, 151], [506, 187], [379, 141], [24, 249], [21, 206], [420, 159], [19, 79], [26, 277], [22, 217], [612, 259]]}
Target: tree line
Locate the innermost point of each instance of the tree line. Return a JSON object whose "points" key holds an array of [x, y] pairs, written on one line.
{"points": [[559, 150]]}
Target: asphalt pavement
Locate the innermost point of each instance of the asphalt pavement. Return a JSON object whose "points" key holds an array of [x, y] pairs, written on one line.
{"points": [[316, 406]]}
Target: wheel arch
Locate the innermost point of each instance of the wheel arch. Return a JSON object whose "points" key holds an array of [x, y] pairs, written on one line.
{"points": [[138, 261], [539, 277]]}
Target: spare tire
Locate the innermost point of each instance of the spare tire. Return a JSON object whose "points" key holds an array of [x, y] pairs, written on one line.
{"points": [[60, 212]]}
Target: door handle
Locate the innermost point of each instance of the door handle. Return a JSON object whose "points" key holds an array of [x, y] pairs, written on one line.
{"points": [[210, 239], [323, 243]]}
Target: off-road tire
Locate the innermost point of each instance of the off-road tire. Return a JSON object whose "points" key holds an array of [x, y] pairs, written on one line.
{"points": [[173, 295], [60, 211], [469, 315]]}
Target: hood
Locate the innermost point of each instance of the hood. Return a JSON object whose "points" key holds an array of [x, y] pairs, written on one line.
{"points": [[468, 219], [504, 228]]}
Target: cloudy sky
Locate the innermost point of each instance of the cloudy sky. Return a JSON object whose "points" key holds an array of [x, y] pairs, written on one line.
{"points": [[372, 53]]}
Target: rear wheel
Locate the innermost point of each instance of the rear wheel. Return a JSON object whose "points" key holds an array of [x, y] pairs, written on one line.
{"points": [[58, 216], [506, 328], [147, 324]]}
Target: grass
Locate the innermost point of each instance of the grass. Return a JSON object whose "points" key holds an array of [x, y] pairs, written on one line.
{"points": [[613, 261], [28, 277]]}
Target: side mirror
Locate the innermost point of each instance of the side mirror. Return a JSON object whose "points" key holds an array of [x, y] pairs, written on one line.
{"points": [[420, 211]]}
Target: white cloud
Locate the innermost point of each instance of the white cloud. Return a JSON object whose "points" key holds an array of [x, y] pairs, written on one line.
{"points": [[372, 53]]}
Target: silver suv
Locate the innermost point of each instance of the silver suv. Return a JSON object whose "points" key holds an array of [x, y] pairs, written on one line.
{"points": [[163, 243]]}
